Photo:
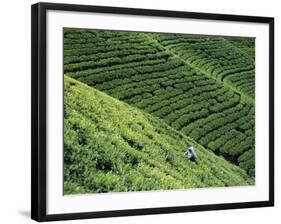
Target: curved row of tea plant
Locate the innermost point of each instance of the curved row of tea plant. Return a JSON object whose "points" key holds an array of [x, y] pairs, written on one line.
{"points": [[162, 83], [110, 146], [226, 59], [246, 44]]}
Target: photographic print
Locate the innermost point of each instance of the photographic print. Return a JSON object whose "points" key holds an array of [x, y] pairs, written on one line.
{"points": [[157, 111], [143, 111]]}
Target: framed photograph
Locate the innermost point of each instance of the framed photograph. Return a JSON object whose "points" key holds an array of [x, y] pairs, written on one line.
{"points": [[140, 111]]}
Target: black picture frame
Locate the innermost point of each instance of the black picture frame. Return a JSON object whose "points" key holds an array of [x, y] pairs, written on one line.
{"points": [[39, 122]]}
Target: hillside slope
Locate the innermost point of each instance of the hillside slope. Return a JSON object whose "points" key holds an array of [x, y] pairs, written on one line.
{"points": [[227, 59], [174, 77], [111, 146]]}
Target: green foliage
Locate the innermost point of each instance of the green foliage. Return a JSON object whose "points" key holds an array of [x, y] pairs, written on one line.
{"points": [[224, 58], [110, 146], [202, 86]]}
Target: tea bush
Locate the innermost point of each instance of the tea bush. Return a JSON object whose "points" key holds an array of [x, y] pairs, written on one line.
{"points": [[203, 86], [110, 146]]}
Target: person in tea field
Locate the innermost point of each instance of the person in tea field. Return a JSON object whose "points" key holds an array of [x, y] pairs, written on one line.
{"points": [[191, 154]]}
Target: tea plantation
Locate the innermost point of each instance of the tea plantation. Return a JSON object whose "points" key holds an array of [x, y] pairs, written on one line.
{"points": [[201, 87], [111, 146]]}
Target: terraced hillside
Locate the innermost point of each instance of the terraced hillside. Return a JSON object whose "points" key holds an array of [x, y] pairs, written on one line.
{"points": [[111, 146], [244, 44], [222, 58], [199, 85]]}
